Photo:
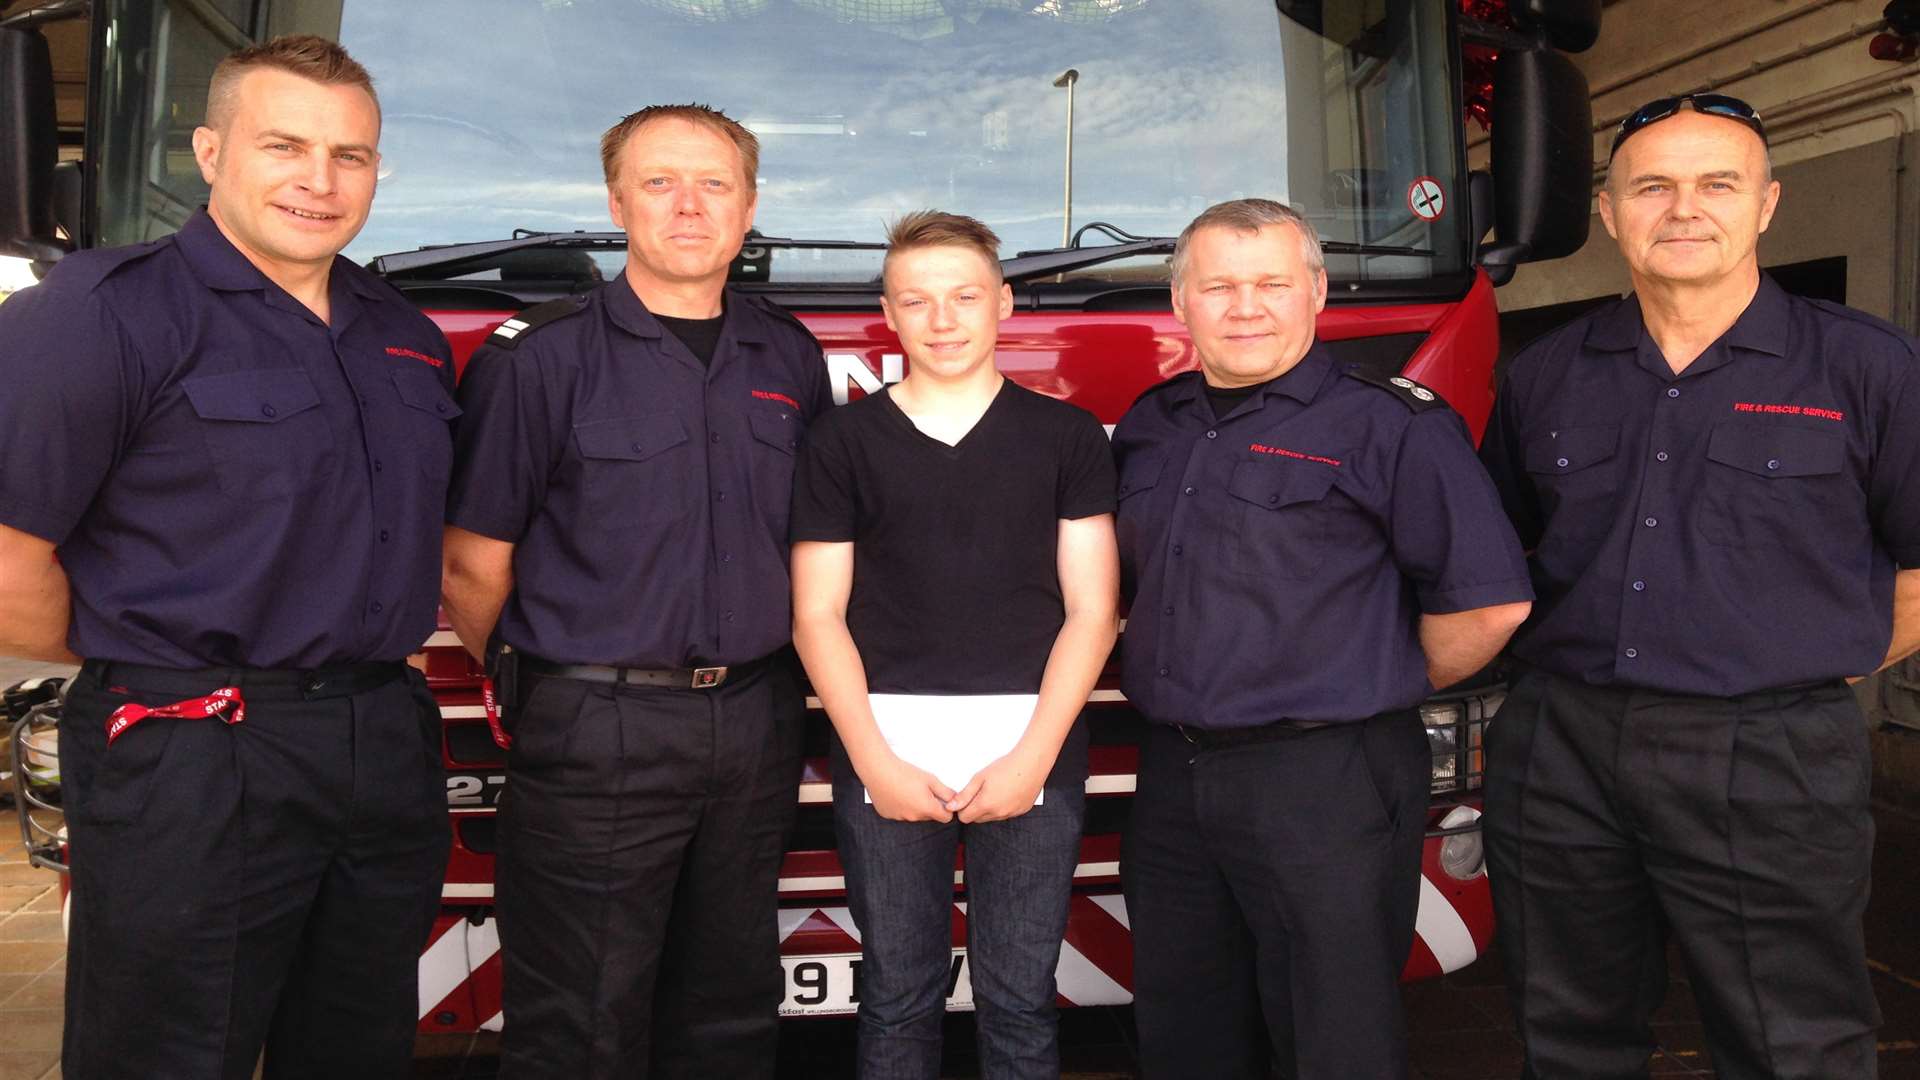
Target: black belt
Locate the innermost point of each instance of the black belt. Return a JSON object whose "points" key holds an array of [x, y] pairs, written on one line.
{"points": [[257, 684], [1214, 739], [698, 678]]}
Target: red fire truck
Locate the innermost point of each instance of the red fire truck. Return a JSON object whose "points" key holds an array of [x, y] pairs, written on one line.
{"points": [[1087, 132]]}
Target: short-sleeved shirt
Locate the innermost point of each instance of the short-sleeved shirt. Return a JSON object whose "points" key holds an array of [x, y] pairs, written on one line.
{"points": [[1278, 558], [1730, 529], [956, 586], [647, 494], [228, 480]]}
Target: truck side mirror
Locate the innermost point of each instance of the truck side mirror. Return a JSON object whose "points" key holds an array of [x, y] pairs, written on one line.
{"points": [[29, 146], [1542, 157], [1570, 25]]}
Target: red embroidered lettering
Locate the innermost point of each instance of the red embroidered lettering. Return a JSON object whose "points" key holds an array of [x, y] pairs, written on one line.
{"points": [[1263, 448], [768, 395], [395, 350], [1789, 410]]}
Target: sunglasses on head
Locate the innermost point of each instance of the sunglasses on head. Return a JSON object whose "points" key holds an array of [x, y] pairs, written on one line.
{"points": [[1712, 104]]}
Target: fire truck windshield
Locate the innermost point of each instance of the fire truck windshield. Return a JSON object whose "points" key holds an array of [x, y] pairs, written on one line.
{"points": [[864, 108]]}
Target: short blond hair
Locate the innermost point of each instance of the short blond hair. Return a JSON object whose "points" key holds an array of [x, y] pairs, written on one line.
{"points": [[616, 137], [306, 55], [1249, 216], [937, 228]]}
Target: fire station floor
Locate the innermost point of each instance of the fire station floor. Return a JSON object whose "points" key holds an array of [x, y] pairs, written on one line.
{"points": [[1460, 1025]]}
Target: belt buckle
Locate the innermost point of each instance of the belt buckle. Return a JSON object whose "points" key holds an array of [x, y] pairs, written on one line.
{"points": [[706, 678]]}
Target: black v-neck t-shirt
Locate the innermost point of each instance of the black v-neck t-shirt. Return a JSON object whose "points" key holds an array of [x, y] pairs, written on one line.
{"points": [[700, 336], [955, 587]]}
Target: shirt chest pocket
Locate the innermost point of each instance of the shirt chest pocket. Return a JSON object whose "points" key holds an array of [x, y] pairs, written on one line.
{"points": [[776, 439], [1283, 513], [265, 431], [1777, 486], [428, 418], [1577, 473], [1139, 473], [634, 471]]}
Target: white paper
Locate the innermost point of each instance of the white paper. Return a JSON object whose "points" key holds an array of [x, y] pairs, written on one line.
{"points": [[953, 736]]}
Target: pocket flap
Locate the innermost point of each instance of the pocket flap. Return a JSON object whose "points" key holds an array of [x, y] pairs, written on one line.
{"points": [[1571, 449], [1274, 484], [1777, 451], [780, 430], [422, 390], [261, 396], [631, 439], [1140, 473]]}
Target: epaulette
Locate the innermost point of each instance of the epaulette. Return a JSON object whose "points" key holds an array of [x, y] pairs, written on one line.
{"points": [[83, 271], [781, 314], [1411, 394], [1872, 322], [1185, 376], [511, 333]]}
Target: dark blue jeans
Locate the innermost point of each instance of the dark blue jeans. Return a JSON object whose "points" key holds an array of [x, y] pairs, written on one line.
{"points": [[1019, 876]]}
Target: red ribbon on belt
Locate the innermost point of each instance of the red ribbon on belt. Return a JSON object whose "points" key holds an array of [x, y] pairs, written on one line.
{"points": [[224, 703], [500, 737]]}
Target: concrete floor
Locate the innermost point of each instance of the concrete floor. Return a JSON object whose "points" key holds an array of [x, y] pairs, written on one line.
{"points": [[1459, 1024]]}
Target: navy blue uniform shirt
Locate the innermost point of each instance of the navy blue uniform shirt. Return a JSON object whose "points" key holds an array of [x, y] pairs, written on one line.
{"points": [[1731, 529], [647, 494], [1278, 559], [229, 481]]}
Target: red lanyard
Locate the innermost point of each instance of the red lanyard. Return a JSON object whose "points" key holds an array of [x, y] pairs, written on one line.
{"points": [[224, 703], [500, 737]]}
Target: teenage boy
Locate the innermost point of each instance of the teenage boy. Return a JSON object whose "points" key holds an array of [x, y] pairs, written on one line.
{"points": [[954, 536]]}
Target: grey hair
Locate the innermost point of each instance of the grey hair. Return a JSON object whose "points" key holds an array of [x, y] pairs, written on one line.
{"points": [[1249, 216]]}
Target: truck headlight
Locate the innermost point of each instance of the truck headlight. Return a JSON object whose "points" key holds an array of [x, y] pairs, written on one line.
{"points": [[1462, 855]]}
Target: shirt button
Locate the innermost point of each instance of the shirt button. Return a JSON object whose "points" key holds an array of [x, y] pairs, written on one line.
{"points": [[383, 536], [1631, 653], [1562, 463], [1213, 434], [793, 444], [377, 466], [715, 437], [719, 496], [268, 410], [1773, 464], [1673, 391], [1651, 522], [1177, 549], [1169, 609], [1164, 672], [1639, 586], [1189, 491], [726, 556], [363, 399], [377, 607], [729, 616], [1661, 456], [636, 448], [440, 407]]}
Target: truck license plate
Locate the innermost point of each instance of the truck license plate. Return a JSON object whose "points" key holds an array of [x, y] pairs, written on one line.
{"points": [[829, 984]]}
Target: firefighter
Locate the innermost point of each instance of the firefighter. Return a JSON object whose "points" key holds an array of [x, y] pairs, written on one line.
{"points": [[222, 457], [1720, 487], [1310, 549], [617, 530]]}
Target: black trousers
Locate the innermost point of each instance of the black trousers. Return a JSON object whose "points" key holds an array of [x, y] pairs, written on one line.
{"points": [[641, 834], [267, 884], [1272, 890], [1618, 818]]}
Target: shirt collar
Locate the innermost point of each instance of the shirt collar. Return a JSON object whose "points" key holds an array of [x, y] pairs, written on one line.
{"points": [[1762, 327], [220, 265], [1301, 382], [631, 314]]}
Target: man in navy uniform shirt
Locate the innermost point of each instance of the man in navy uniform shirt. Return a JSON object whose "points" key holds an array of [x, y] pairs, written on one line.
{"points": [[618, 526], [1309, 550], [236, 443], [1720, 487]]}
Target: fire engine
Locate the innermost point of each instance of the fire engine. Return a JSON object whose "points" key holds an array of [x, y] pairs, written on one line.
{"points": [[1087, 132]]}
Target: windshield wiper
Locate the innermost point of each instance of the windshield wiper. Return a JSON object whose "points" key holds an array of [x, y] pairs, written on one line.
{"points": [[412, 263], [1033, 264]]}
